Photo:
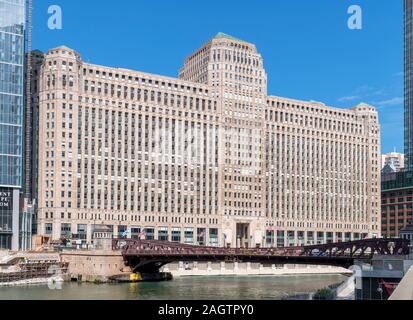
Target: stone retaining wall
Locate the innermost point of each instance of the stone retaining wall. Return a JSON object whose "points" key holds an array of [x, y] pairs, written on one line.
{"points": [[93, 266]]}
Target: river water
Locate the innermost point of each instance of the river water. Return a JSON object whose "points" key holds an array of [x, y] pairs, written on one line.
{"points": [[183, 288]]}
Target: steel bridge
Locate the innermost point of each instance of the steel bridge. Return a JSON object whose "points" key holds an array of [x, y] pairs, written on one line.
{"points": [[149, 256]]}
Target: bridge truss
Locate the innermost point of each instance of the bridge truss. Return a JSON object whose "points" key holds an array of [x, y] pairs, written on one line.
{"points": [[149, 256]]}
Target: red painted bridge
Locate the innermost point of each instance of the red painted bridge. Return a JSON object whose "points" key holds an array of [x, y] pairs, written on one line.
{"points": [[149, 256]]}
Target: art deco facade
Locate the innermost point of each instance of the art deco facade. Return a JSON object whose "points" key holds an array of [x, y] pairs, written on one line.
{"points": [[208, 158]]}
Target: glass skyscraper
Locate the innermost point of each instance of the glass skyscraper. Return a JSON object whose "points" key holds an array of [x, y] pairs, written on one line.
{"points": [[12, 57], [408, 83]]}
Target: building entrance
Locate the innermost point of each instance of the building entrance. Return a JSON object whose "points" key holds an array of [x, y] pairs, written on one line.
{"points": [[243, 231]]}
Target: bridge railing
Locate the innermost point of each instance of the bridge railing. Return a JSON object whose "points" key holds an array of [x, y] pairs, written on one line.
{"points": [[361, 248], [142, 246]]}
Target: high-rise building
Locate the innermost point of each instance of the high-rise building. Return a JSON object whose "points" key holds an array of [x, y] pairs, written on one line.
{"points": [[393, 159], [208, 158], [28, 211], [397, 202], [12, 58], [397, 187], [408, 83]]}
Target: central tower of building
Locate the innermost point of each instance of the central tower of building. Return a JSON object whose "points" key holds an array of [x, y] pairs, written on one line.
{"points": [[234, 70]]}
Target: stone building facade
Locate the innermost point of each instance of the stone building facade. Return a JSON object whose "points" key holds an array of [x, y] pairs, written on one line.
{"points": [[208, 158]]}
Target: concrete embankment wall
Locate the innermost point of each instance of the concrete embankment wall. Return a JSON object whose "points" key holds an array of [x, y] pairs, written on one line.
{"points": [[226, 268]]}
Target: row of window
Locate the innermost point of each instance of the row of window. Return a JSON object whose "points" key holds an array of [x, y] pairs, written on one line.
{"points": [[188, 235]]}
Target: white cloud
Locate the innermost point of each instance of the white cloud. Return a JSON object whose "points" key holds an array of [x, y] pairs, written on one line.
{"points": [[348, 98], [390, 102], [364, 89], [362, 93]]}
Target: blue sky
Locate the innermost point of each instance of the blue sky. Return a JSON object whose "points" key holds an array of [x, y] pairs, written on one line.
{"points": [[308, 50]]}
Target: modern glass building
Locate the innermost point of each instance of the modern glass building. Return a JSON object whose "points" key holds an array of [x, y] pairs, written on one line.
{"points": [[12, 57], [397, 187], [408, 83]]}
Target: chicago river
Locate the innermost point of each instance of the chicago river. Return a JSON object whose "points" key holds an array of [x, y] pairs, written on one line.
{"points": [[184, 288]]}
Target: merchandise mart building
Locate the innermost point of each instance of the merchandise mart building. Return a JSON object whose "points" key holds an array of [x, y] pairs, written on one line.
{"points": [[207, 158]]}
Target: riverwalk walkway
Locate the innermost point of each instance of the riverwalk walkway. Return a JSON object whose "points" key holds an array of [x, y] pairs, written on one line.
{"points": [[181, 269]]}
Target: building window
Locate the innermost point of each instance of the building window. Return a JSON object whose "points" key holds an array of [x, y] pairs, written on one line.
{"points": [[213, 237], [149, 233], [189, 235], [269, 238], [176, 235], [135, 233], [163, 234], [201, 233], [65, 230], [48, 228], [122, 232], [82, 232]]}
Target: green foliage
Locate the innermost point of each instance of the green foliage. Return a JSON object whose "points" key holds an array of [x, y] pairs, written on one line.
{"points": [[324, 294]]}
